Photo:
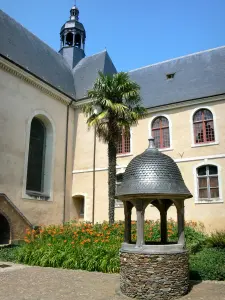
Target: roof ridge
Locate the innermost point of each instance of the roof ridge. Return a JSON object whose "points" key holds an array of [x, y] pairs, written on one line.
{"points": [[86, 57], [176, 58]]}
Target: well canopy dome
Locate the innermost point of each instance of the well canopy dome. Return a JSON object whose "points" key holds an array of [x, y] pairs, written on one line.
{"points": [[152, 173]]}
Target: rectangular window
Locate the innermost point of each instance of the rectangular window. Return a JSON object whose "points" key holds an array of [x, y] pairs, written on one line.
{"points": [[208, 184], [124, 144]]}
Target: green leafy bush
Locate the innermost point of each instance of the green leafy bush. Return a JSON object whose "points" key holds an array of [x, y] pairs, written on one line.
{"points": [[9, 253], [208, 264], [88, 247], [217, 239]]}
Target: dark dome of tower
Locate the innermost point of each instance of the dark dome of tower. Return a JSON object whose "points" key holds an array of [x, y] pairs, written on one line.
{"points": [[152, 173]]}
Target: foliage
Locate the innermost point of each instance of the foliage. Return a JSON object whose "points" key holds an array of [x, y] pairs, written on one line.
{"points": [[195, 237], [119, 107], [208, 264], [217, 239], [118, 100], [96, 248], [9, 253], [87, 247]]}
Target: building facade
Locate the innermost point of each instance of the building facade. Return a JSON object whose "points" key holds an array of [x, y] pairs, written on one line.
{"points": [[47, 152]]}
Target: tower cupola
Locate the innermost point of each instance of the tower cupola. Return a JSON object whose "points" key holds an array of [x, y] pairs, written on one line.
{"points": [[74, 13], [73, 36]]}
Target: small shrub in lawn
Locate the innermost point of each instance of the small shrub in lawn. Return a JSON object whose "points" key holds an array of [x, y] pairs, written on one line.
{"points": [[208, 264], [89, 247], [217, 239]]}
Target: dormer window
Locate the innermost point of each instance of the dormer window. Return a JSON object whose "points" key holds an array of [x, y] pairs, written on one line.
{"points": [[170, 76]]}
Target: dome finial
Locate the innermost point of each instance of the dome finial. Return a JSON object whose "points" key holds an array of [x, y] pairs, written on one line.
{"points": [[74, 12], [151, 143]]}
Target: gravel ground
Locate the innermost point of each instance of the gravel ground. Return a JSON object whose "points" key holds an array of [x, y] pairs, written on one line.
{"points": [[20, 282]]}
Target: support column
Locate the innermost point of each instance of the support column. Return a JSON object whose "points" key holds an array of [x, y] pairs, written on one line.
{"points": [[73, 39], [140, 222], [180, 221], [163, 225], [127, 212]]}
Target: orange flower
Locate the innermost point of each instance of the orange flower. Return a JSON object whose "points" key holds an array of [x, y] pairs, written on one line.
{"points": [[65, 241], [72, 243], [49, 244]]}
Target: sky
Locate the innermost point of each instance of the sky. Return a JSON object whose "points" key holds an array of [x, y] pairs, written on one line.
{"points": [[135, 33]]}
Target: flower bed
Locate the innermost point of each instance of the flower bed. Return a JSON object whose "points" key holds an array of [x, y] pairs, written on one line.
{"points": [[96, 248], [88, 247]]}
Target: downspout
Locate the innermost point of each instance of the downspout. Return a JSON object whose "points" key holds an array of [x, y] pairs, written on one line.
{"points": [[94, 163], [65, 166]]}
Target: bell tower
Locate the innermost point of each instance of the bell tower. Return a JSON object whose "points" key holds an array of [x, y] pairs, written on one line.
{"points": [[73, 36]]}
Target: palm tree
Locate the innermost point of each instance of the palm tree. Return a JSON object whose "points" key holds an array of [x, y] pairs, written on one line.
{"points": [[119, 107]]}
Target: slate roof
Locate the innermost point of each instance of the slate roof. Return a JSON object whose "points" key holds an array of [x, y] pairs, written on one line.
{"points": [[78, 25], [86, 72], [197, 75], [22, 47]]}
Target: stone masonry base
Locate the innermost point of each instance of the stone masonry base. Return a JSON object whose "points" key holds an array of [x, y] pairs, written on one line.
{"points": [[154, 276]]}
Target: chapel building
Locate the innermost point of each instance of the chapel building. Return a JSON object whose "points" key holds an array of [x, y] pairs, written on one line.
{"points": [[47, 153]]}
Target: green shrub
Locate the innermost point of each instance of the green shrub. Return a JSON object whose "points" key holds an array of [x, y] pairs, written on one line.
{"points": [[88, 247], [217, 239], [9, 253], [208, 264], [195, 239]]}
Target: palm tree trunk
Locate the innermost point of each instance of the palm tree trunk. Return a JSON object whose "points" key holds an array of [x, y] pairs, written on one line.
{"points": [[111, 179]]}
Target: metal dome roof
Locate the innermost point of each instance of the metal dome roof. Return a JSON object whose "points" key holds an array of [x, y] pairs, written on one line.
{"points": [[150, 174]]}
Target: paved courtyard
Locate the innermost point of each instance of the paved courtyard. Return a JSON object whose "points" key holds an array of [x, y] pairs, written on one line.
{"points": [[19, 282]]}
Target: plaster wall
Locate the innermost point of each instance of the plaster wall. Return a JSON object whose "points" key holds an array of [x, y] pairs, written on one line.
{"points": [[19, 101], [183, 150]]}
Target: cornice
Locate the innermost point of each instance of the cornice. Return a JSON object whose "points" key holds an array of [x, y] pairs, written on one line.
{"points": [[181, 160], [187, 103], [32, 80], [170, 106]]}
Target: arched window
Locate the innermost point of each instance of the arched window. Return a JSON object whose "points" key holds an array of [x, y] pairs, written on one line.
{"points": [[69, 39], [119, 179], [203, 126], [124, 144], [39, 157], [36, 158], [79, 203], [77, 40], [161, 132], [208, 183]]}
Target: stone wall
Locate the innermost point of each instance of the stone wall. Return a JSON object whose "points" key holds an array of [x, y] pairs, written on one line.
{"points": [[154, 276], [17, 222]]}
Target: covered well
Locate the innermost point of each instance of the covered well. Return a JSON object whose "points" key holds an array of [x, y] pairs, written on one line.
{"points": [[153, 270]]}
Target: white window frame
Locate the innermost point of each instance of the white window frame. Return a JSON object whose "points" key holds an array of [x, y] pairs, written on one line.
{"points": [[131, 147], [170, 130], [211, 200], [49, 157], [216, 142]]}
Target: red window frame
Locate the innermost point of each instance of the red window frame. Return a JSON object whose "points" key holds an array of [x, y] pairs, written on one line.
{"points": [[159, 131], [124, 143], [204, 127]]}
